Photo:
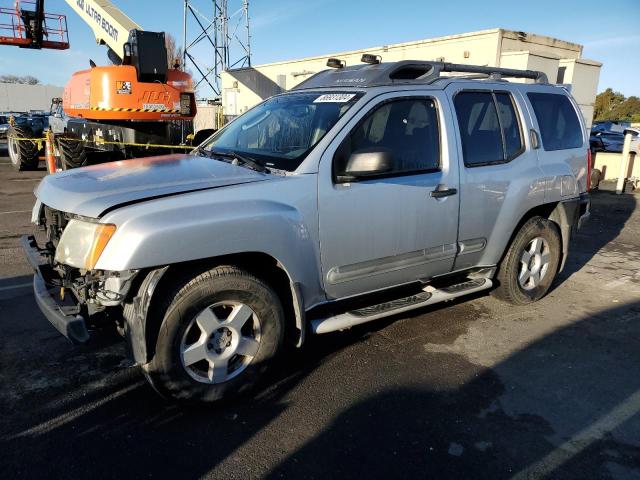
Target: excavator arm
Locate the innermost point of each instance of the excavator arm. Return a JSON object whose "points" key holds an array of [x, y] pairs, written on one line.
{"points": [[110, 26]]}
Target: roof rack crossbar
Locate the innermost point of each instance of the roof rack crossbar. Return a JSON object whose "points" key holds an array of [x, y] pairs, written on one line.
{"points": [[539, 77]]}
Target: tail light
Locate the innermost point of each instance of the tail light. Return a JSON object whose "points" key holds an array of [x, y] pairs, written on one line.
{"points": [[589, 167]]}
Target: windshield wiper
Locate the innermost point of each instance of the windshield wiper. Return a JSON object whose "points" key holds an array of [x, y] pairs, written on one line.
{"points": [[246, 160], [203, 152]]}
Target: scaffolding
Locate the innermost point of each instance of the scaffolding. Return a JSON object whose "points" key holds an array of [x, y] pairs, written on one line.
{"points": [[216, 37]]}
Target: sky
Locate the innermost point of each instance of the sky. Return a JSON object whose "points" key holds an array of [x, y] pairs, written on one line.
{"points": [[288, 29]]}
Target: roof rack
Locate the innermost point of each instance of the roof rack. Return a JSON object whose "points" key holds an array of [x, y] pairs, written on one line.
{"points": [[407, 72]]}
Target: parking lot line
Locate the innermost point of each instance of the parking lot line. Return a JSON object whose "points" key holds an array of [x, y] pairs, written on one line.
{"points": [[15, 211], [14, 287], [582, 440]]}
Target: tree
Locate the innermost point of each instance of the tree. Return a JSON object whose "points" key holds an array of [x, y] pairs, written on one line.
{"points": [[26, 79], [612, 105], [174, 52]]}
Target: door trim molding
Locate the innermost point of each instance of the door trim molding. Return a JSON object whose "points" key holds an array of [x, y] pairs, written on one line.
{"points": [[356, 271]]}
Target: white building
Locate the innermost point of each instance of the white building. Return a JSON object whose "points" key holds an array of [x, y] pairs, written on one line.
{"points": [[561, 61]]}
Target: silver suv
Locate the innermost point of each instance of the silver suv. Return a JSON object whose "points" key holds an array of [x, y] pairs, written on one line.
{"points": [[364, 192]]}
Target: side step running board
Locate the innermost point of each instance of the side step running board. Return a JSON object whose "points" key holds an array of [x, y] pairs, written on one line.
{"points": [[428, 296]]}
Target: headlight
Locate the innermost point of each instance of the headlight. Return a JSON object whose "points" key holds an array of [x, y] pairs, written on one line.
{"points": [[82, 243]]}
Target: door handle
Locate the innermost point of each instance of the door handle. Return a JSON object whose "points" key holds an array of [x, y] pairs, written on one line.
{"points": [[442, 191]]}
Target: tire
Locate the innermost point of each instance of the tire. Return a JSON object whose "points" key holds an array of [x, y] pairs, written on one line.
{"points": [[174, 370], [520, 283], [24, 154], [72, 153]]}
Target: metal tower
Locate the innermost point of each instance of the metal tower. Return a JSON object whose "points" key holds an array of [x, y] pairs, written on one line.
{"points": [[216, 37]]}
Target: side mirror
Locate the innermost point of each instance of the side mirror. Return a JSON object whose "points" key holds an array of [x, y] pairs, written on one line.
{"points": [[367, 163]]}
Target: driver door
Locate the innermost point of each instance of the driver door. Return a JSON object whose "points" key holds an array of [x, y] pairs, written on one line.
{"points": [[391, 229]]}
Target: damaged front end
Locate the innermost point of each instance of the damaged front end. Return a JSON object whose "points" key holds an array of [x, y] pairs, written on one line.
{"points": [[74, 298]]}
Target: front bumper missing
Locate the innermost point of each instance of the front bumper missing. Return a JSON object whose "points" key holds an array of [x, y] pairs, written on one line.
{"points": [[63, 315]]}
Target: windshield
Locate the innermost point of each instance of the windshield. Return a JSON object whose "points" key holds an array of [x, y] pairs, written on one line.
{"points": [[280, 132]]}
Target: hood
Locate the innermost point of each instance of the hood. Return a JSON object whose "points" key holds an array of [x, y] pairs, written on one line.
{"points": [[90, 191]]}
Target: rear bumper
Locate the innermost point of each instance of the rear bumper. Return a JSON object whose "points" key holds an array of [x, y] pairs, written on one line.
{"points": [[64, 316]]}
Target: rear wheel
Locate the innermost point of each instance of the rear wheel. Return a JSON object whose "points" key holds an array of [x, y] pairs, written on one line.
{"points": [[531, 263], [24, 154], [72, 153], [218, 336]]}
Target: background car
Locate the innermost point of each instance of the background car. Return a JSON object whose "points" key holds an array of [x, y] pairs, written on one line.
{"points": [[601, 140], [4, 126], [606, 141]]}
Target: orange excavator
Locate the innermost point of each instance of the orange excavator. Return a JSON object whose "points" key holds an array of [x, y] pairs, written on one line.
{"points": [[118, 111]]}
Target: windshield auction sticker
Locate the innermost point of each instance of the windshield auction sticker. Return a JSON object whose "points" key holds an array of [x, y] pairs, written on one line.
{"points": [[334, 98]]}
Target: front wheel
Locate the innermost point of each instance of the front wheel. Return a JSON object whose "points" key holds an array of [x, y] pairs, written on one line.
{"points": [[219, 334], [530, 264]]}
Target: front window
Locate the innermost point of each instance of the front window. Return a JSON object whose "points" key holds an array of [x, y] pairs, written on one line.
{"points": [[407, 128], [280, 132]]}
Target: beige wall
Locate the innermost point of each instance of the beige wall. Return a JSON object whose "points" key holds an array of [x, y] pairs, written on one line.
{"points": [[583, 75], [244, 88], [525, 60], [207, 117], [540, 44], [609, 165]]}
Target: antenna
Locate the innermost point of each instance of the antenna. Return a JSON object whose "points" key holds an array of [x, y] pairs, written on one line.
{"points": [[216, 37]]}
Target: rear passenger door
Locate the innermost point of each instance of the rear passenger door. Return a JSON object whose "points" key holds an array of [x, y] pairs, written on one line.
{"points": [[499, 177]]}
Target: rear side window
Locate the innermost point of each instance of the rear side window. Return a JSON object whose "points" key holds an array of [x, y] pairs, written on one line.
{"points": [[489, 128], [558, 121]]}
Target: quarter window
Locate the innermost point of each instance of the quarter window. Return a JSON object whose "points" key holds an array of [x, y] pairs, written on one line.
{"points": [[559, 125], [489, 127], [408, 129]]}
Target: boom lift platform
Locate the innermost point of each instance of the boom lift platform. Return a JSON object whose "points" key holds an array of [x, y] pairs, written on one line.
{"points": [[27, 25]]}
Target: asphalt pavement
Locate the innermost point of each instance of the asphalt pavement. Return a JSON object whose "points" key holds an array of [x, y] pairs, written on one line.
{"points": [[471, 389]]}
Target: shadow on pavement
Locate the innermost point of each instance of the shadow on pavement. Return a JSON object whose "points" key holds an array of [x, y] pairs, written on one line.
{"points": [[415, 425], [496, 430]]}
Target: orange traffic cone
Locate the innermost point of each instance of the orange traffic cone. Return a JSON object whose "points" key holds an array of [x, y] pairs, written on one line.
{"points": [[48, 152]]}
